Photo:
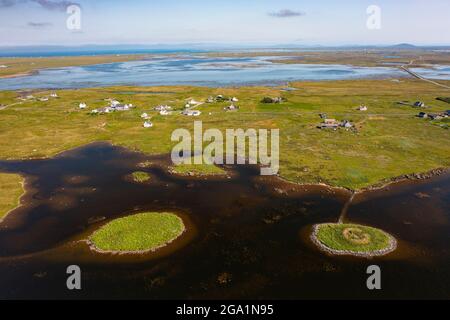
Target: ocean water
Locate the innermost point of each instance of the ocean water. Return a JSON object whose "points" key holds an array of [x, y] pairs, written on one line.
{"points": [[192, 69]]}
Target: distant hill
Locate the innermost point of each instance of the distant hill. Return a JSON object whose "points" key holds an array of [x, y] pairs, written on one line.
{"points": [[404, 46]]}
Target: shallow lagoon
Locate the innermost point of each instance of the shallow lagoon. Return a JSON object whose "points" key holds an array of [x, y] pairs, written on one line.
{"points": [[192, 70], [247, 236]]}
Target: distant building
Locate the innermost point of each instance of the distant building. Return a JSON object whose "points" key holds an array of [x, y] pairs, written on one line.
{"points": [[232, 107], [191, 113], [192, 102], [419, 104], [114, 103], [347, 124], [329, 124], [163, 107], [148, 124], [53, 95], [435, 116], [164, 112], [362, 108], [273, 100], [422, 115]]}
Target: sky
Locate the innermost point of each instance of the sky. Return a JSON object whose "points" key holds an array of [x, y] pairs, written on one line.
{"points": [[252, 22]]}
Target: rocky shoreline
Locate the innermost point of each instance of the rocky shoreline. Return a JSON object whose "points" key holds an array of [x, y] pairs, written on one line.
{"points": [[370, 254], [413, 176]]}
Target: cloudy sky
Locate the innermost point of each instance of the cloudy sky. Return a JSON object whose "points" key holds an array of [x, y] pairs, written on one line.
{"points": [[326, 22]]}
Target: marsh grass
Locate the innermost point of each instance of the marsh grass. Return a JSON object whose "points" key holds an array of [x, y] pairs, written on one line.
{"points": [[11, 189]]}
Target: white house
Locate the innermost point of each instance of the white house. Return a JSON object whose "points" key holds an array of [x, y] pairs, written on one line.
{"points": [[347, 124], [192, 102], [192, 113], [362, 108], [53, 95], [148, 124], [232, 107], [419, 104], [163, 107], [82, 105]]}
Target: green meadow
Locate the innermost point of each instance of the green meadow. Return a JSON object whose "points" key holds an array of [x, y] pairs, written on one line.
{"points": [[389, 140]]}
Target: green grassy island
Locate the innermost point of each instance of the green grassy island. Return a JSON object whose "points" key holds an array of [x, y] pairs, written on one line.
{"points": [[138, 233], [140, 176], [352, 239]]}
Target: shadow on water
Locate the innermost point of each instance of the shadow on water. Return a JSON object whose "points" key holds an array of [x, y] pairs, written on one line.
{"points": [[248, 234]]}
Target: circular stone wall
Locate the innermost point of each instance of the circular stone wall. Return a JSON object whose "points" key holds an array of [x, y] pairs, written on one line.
{"points": [[352, 239]]}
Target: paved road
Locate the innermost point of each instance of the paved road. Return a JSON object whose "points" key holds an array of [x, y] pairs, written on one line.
{"points": [[418, 76]]}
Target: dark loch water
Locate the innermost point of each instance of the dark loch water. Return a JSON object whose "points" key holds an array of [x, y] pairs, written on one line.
{"points": [[247, 238]]}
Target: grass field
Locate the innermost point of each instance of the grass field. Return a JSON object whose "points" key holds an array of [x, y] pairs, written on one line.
{"points": [[352, 237], [390, 141], [139, 232], [11, 190]]}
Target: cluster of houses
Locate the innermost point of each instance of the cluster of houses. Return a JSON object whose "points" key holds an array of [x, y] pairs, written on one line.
{"points": [[221, 98], [164, 110], [334, 124], [114, 105], [273, 100], [42, 99], [434, 116]]}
